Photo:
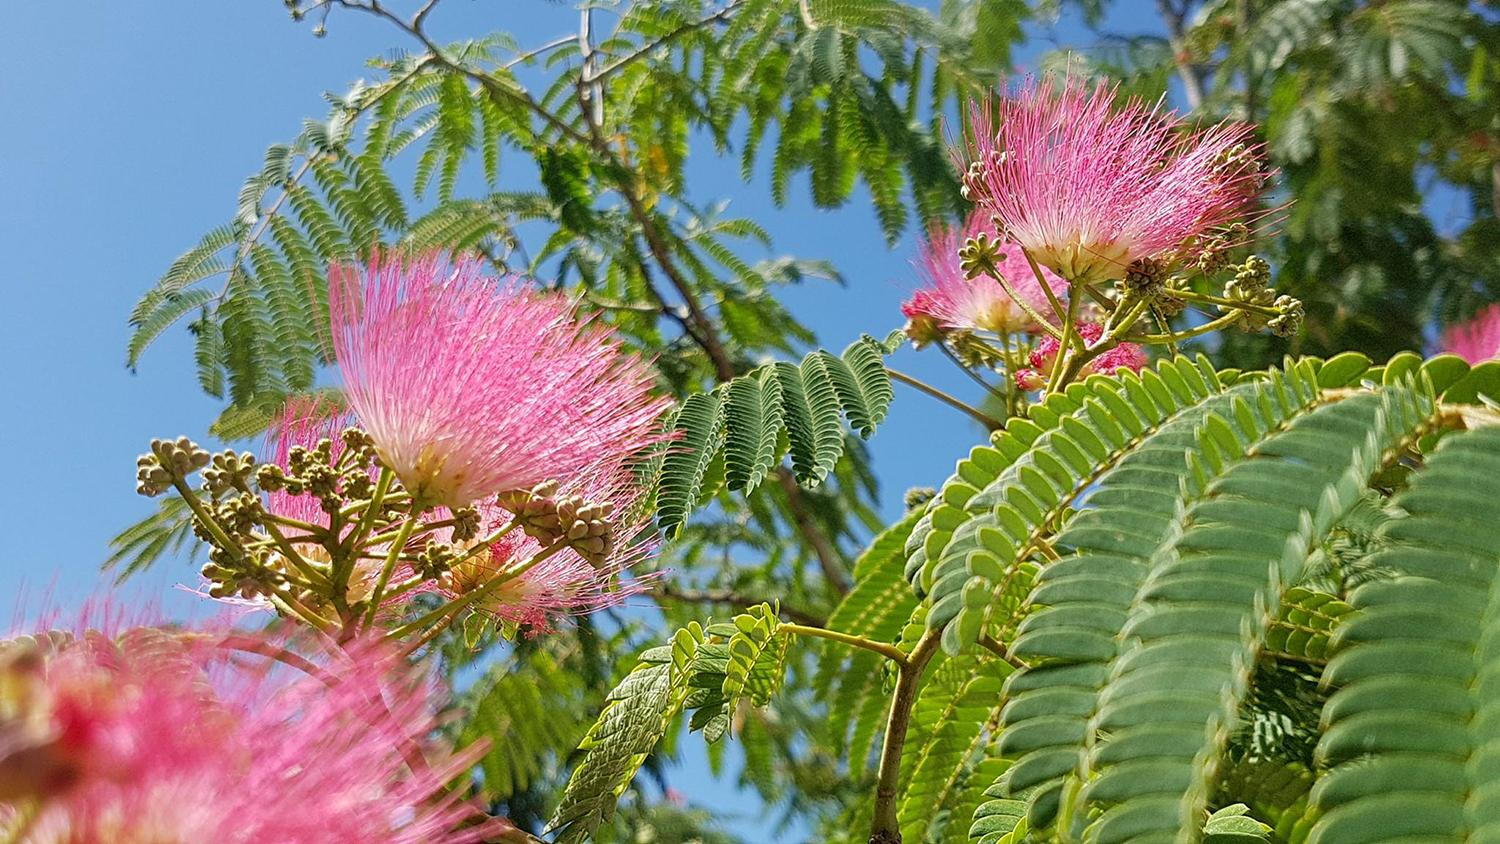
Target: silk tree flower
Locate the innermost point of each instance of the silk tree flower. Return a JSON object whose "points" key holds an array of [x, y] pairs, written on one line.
{"points": [[153, 736], [471, 386], [1127, 355], [1089, 188], [949, 301], [567, 583], [1477, 340]]}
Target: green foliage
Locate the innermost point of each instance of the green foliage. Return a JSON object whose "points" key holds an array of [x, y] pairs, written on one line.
{"points": [[952, 757], [1417, 665], [536, 705], [877, 608], [165, 532], [636, 716], [736, 435], [1040, 466], [757, 653], [708, 671]]}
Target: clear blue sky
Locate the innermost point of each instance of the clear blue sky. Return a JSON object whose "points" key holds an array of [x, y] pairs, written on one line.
{"points": [[129, 128]]}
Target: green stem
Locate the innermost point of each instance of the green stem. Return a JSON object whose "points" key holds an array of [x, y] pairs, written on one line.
{"points": [[1176, 336], [1099, 298], [486, 542], [293, 607], [1065, 351], [454, 607], [886, 827], [425, 527], [1041, 280], [314, 577], [1206, 299], [371, 508], [890, 652], [308, 527], [1109, 340], [1046, 325], [204, 517], [983, 418], [390, 563]]}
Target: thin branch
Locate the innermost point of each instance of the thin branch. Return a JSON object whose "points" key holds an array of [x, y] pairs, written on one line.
{"points": [[890, 652], [886, 828], [491, 85], [988, 421], [1192, 82], [998, 648], [527, 56], [421, 16], [829, 559], [667, 591], [974, 376], [645, 49]]}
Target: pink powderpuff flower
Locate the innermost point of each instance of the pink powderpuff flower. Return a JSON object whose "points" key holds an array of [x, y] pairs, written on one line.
{"points": [[1477, 340], [1127, 355], [1089, 188], [155, 736], [565, 583], [953, 302], [470, 386]]}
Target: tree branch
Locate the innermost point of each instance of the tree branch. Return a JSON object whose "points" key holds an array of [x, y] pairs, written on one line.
{"points": [[667, 591], [885, 828], [1192, 82], [721, 15], [829, 559]]}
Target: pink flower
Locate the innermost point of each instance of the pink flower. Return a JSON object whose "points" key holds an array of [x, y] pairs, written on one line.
{"points": [[955, 303], [1477, 340], [470, 387], [1127, 355], [564, 583], [157, 736], [1089, 188]]}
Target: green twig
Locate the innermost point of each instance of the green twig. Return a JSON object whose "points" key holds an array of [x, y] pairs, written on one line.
{"points": [[980, 416]]}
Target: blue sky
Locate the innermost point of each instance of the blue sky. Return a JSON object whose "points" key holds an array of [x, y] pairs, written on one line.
{"points": [[129, 128]]}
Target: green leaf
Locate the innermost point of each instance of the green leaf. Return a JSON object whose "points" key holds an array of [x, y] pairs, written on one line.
{"points": [[635, 718], [1417, 665], [700, 425], [756, 653]]}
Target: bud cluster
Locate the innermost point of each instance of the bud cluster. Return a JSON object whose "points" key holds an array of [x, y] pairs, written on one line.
{"points": [[315, 471], [1209, 253], [434, 560], [167, 462], [978, 255], [1145, 277], [1282, 314], [549, 518], [246, 558]]}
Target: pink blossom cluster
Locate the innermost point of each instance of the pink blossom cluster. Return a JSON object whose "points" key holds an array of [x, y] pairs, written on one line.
{"points": [[1477, 340], [950, 301], [1089, 186], [158, 736], [471, 386], [1125, 355]]}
